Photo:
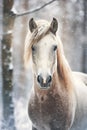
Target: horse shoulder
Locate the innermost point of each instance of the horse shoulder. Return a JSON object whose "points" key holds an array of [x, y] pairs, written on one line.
{"points": [[81, 76], [80, 80], [80, 88]]}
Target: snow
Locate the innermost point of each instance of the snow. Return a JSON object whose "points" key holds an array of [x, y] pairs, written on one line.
{"points": [[21, 95], [22, 121]]}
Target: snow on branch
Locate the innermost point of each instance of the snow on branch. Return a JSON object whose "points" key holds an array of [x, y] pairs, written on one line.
{"points": [[32, 11]]}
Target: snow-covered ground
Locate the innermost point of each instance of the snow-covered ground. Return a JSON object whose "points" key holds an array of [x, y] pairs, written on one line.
{"points": [[22, 121], [21, 95]]}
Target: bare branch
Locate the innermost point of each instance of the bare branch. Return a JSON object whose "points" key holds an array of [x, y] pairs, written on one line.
{"points": [[35, 10]]}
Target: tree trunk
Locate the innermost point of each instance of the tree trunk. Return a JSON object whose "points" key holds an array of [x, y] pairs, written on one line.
{"points": [[7, 67]]}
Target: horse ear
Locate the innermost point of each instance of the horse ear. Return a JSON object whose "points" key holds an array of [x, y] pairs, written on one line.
{"points": [[32, 25], [54, 26]]}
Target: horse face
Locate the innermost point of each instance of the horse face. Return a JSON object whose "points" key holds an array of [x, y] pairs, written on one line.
{"points": [[44, 59]]}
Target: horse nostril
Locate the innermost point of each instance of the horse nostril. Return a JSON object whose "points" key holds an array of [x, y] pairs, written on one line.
{"points": [[39, 79], [49, 79], [42, 82]]}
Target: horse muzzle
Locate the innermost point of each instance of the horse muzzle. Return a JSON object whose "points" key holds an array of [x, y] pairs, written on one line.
{"points": [[44, 83]]}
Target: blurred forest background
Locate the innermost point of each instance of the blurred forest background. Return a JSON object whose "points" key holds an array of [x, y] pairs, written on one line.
{"points": [[15, 81]]}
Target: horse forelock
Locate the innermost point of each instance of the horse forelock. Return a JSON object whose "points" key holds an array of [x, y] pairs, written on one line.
{"points": [[43, 28]]}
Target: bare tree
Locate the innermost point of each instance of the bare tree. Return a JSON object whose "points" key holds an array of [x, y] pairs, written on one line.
{"points": [[34, 10], [7, 67]]}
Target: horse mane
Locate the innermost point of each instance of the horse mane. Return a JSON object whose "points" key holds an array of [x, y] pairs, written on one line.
{"points": [[42, 29], [63, 68]]}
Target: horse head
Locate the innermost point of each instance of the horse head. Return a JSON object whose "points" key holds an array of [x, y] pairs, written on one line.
{"points": [[43, 51]]}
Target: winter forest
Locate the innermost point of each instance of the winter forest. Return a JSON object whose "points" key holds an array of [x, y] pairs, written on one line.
{"points": [[15, 80]]}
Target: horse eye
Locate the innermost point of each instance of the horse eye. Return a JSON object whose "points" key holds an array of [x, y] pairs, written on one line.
{"points": [[54, 48], [33, 48]]}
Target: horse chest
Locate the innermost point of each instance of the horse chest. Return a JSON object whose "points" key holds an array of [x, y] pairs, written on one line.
{"points": [[51, 113]]}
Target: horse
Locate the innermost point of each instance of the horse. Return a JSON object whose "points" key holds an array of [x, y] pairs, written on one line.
{"points": [[58, 99]]}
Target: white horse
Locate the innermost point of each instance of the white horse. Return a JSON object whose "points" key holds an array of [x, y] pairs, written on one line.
{"points": [[58, 98]]}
